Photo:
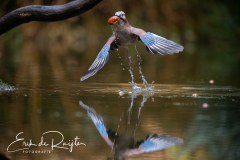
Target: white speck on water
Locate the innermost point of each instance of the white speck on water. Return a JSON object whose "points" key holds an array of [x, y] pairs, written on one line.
{"points": [[121, 93], [205, 105], [211, 81], [194, 95]]}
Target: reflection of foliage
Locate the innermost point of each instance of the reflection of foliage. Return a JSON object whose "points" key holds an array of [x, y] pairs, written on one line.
{"points": [[216, 135], [208, 30]]}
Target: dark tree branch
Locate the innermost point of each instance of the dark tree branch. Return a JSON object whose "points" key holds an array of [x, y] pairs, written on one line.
{"points": [[45, 13]]}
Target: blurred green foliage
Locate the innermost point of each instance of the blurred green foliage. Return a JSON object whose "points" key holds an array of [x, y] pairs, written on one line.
{"points": [[2, 83], [209, 31]]}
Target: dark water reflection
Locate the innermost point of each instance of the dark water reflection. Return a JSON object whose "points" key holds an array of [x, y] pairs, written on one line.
{"points": [[208, 132]]}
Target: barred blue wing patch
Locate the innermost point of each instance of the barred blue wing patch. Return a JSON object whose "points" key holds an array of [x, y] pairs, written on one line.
{"points": [[159, 142], [157, 44], [97, 120], [99, 62], [102, 129]]}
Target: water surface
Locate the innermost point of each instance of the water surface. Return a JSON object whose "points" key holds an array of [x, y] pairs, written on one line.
{"points": [[209, 132]]}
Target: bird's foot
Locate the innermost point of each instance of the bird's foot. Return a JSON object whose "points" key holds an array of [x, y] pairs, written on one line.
{"points": [[129, 61], [139, 59]]}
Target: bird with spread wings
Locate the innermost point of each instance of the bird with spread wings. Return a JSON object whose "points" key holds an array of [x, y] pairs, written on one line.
{"points": [[124, 145], [124, 35]]}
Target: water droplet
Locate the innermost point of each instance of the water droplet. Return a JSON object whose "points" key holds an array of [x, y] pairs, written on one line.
{"points": [[205, 105], [121, 93], [112, 29], [194, 94], [211, 81]]}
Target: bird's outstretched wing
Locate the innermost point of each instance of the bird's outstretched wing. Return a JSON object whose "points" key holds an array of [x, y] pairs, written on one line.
{"points": [[101, 59], [99, 123], [157, 44], [157, 142], [154, 143]]}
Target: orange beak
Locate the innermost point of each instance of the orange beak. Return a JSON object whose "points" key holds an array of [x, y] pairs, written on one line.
{"points": [[113, 20]]}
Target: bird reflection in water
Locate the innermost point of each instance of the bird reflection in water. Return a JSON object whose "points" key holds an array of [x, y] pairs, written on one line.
{"points": [[123, 145]]}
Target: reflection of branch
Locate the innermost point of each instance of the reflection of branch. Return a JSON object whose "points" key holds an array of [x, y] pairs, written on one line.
{"points": [[45, 13]]}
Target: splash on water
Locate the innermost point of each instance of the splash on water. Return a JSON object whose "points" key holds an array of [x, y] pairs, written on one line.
{"points": [[6, 87], [135, 88], [145, 83]]}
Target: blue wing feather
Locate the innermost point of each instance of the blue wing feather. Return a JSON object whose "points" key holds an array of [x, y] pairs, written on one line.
{"points": [[158, 142], [97, 120], [157, 44], [99, 62]]}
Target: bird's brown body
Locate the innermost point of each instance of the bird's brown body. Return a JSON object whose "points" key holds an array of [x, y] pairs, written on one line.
{"points": [[122, 145], [124, 35]]}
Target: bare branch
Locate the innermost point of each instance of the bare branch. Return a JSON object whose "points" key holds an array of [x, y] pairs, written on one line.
{"points": [[45, 13]]}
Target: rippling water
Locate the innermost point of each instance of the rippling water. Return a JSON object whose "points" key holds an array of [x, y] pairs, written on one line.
{"points": [[206, 117]]}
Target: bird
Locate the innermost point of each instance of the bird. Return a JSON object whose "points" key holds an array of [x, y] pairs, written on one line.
{"points": [[125, 35], [124, 145]]}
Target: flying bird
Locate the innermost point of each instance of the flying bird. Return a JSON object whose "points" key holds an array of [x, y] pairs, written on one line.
{"points": [[124, 145], [124, 35]]}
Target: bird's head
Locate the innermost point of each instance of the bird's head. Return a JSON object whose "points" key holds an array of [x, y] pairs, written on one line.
{"points": [[118, 18]]}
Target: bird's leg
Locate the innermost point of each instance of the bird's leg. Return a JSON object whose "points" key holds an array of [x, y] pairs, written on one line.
{"points": [[138, 56], [129, 58], [139, 59], [137, 124]]}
